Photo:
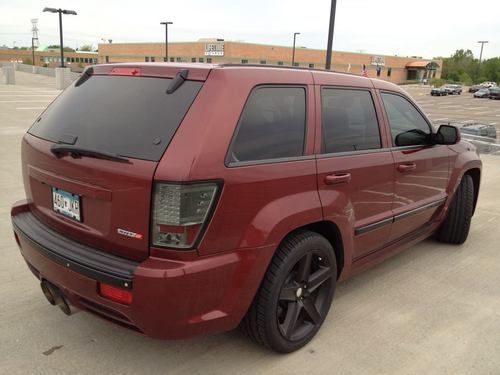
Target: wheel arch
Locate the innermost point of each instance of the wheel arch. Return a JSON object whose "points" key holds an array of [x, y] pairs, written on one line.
{"points": [[332, 233]]}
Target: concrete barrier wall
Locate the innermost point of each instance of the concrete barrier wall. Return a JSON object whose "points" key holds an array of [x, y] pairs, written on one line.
{"points": [[69, 76]]}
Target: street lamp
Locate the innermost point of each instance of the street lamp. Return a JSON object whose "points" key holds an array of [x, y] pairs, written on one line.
{"points": [[166, 38], [328, 62], [61, 12], [293, 53], [33, 49], [481, 56]]}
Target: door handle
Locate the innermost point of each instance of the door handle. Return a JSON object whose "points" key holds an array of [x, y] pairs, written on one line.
{"points": [[332, 179], [407, 167]]}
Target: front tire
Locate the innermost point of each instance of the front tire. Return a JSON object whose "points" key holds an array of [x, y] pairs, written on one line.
{"points": [[295, 295], [455, 228]]}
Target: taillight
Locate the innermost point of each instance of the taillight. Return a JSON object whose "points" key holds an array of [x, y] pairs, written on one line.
{"points": [[179, 212]]}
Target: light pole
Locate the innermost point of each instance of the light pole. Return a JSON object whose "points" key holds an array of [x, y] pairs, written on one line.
{"points": [[481, 56], [166, 37], [328, 62], [33, 49], [61, 12], [293, 52]]}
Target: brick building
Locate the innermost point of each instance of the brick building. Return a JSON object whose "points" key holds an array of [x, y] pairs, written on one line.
{"points": [[49, 57], [391, 68]]}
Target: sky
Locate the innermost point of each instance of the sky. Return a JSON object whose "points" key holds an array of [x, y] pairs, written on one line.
{"points": [[405, 28]]}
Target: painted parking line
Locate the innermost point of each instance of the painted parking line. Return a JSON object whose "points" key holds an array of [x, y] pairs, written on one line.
{"points": [[441, 119], [26, 101], [23, 108], [11, 95]]}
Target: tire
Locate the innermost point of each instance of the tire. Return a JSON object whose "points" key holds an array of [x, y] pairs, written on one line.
{"points": [[295, 295], [455, 228]]}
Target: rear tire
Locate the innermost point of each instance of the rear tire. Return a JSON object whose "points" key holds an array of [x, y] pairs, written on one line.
{"points": [[455, 228], [295, 295]]}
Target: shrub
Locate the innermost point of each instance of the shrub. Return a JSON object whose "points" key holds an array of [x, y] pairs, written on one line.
{"points": [[437, 82]]}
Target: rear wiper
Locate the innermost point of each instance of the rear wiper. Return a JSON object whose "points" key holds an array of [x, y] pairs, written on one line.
{"points": [[177, 81], [76, 152]]}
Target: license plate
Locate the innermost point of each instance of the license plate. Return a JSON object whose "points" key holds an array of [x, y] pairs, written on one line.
{"points": [[65, 203]]}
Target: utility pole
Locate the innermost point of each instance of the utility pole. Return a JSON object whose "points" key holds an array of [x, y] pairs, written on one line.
{"points": [[481, 56], [34, 30], [293, 53], [328, 63]]}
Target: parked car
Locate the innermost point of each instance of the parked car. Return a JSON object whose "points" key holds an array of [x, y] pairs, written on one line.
{"points": [[476, 88], [453, 89], [439, 91], [480, 130], [494, 93], [180, 200], [483, 93], [488, 84]]}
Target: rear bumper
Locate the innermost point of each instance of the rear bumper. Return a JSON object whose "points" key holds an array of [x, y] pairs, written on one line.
{"points": [[172, 299]]}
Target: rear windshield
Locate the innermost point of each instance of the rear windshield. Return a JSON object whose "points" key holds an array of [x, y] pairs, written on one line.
{"points": [[127, 116]]}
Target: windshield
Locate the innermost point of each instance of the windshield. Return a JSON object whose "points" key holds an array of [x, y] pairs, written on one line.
{"points": [[127, 116]]}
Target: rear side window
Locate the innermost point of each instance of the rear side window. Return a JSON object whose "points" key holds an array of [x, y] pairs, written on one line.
{"points": [[408, 126], [349, 121], [271, 126], [129, 116]]}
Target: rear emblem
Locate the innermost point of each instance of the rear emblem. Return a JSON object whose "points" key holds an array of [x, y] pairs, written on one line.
{"points": [[128, 233]]}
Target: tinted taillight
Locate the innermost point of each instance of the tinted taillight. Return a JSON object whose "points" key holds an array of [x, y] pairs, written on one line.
{"points": [[179, 212]]}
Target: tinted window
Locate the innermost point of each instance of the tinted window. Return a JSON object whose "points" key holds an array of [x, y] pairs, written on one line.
{"points": [[349, 121], [272, 125], [128, 116], [408, 127]]}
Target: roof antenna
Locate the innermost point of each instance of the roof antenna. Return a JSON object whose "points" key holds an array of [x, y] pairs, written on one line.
{"points": [[177, 81]]}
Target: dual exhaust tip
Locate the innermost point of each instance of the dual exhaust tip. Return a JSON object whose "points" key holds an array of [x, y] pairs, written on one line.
{"points": [[55, 297]]}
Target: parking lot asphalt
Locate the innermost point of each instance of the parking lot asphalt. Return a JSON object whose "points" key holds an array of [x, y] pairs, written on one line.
{"points": [[458, 109], [432, 309]]}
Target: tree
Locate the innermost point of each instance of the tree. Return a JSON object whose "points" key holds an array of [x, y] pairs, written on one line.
{"points": [[86, 47], [65, 49]]}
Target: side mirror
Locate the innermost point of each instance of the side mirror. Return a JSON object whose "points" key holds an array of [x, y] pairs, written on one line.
{"points": [[447, 135], [412, 137]]}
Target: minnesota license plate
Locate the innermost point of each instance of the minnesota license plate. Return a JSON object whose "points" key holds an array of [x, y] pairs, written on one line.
{"points": [[65, 203]]}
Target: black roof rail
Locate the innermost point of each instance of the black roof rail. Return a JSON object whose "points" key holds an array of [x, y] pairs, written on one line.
{"points": [[284, 67]]}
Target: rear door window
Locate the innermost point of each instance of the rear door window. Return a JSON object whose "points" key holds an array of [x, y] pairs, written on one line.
{"points": [[349, 121], [128, 116], [272, 125]]}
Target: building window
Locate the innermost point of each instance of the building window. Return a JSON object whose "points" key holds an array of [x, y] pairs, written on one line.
{"points": [[209, 60], [295, 64], [311, 66], [152, 59], [280, 62], [172, 59], [263, 62], [179, 59], [146, 59], [107, 59], [201, 59], [193, 59], [389, 71], [72, 59], [434, 74], [86, 60], [244, 61]]}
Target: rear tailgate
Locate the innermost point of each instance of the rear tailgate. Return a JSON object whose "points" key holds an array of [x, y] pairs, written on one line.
{"points": [[100, 202]]}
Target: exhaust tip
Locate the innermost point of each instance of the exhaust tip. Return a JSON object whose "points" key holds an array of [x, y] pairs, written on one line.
{"points": [[47, 292]]}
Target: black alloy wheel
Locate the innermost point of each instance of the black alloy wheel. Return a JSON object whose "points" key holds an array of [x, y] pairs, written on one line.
{"points": [[301, 303], [295, 295]]}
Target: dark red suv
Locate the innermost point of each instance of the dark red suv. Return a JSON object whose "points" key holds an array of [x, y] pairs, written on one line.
{"points": [[181, 200]]}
